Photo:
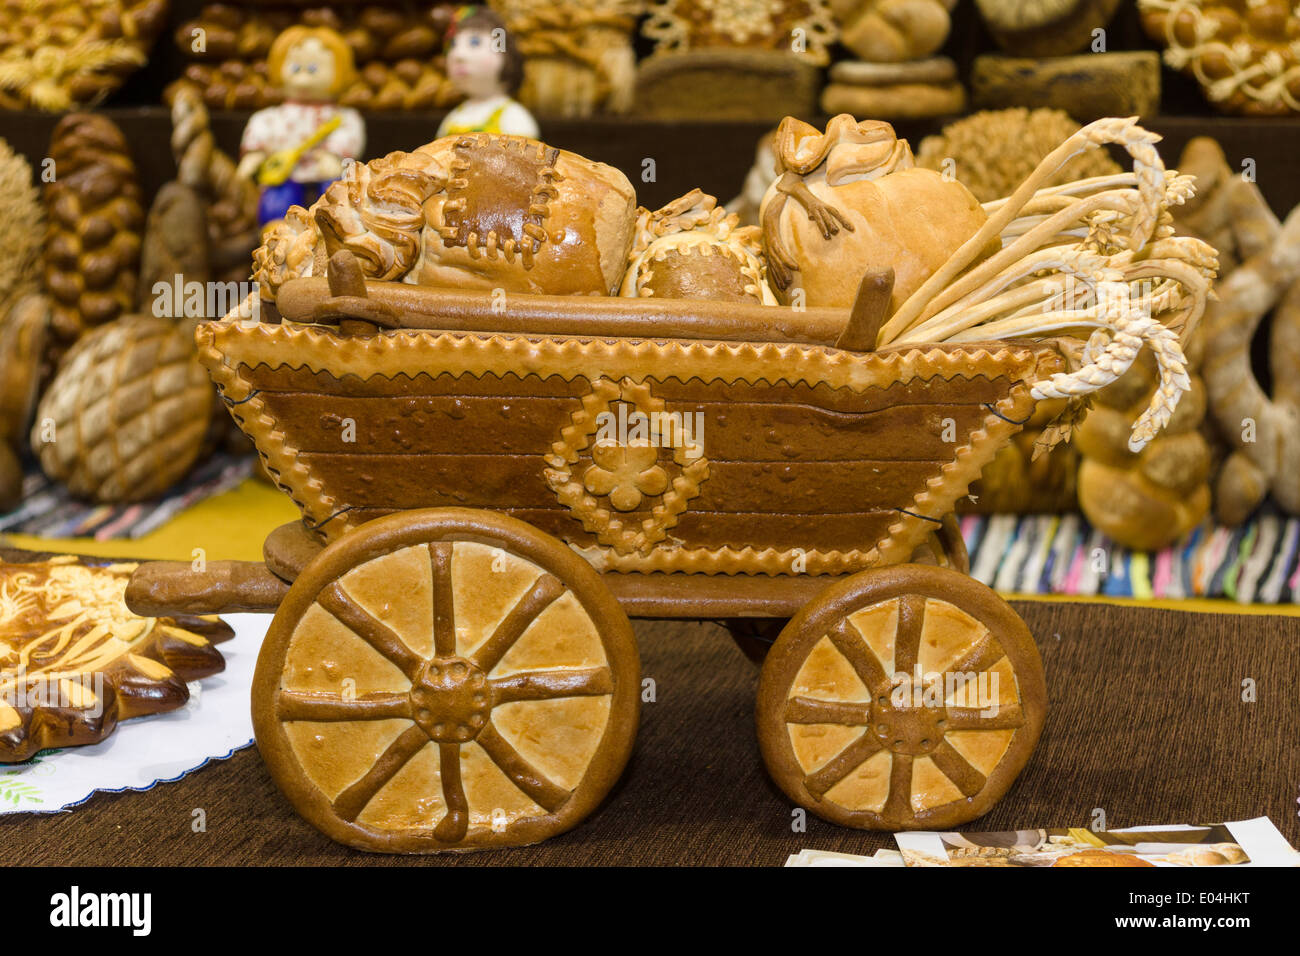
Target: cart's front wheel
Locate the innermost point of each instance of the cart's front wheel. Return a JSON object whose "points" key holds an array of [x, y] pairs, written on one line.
{"points": [[901, 699], [446, 679]]}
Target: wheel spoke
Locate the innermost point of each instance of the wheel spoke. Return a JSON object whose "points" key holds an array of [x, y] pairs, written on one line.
{"points": [[539, 597], [293, 705], [975, 718], [349, 804], [842, 764], [981, 657], [547, 685], [907, 642], [453, 827], [808, 710], [374, 632], [525, 776], [848, 640], [899, 802], [444, 601], [958, 769]]}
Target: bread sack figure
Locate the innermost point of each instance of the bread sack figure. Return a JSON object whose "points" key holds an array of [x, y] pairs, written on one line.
{"points": [[851, 201]]}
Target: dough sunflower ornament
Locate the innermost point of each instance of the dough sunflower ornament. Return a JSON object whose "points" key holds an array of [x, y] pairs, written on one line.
{"points": [[74, 661]]}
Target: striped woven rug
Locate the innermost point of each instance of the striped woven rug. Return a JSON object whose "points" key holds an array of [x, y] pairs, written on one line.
{"points": [[48, 511], [1255, 563]]}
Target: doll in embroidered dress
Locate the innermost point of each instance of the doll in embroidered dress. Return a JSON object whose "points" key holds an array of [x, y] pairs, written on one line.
{"points": [[294, 150], [485, 64]]}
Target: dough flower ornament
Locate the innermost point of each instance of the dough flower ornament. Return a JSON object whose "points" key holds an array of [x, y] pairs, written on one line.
{"points": [[1095, 261], [626, 473]]}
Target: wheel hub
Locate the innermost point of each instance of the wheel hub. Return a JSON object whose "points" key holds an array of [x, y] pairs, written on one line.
{"points": [[451, 700], [908, 730]]}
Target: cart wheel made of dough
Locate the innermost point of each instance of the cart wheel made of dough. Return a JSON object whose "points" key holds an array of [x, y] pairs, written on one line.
{"points": [[446, 679], [903, 698]]}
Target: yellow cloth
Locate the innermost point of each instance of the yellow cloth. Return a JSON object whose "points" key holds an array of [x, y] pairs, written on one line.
{"points": [[228, 527]]}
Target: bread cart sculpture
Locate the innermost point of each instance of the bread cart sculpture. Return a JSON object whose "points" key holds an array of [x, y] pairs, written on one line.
{"points": [[492, 479]]}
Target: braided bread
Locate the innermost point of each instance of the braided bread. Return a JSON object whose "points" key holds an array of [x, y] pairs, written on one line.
{"points": [[92, 247]]}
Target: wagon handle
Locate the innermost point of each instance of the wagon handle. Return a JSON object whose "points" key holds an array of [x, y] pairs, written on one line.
{"points": [[870, 311], [349, 307]]}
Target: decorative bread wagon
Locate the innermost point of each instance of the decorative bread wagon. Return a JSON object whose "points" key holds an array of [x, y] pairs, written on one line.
{"points": [[492, 480]]}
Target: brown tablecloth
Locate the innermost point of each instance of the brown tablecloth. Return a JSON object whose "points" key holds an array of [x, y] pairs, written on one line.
{"points": [[1147, 723]]}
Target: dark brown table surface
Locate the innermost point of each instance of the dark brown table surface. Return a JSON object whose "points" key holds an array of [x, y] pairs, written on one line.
{"points": [[1147, 723]]}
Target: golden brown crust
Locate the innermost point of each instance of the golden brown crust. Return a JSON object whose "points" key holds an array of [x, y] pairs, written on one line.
{"points": [[505, 726], [231, 353], [840, 738]]}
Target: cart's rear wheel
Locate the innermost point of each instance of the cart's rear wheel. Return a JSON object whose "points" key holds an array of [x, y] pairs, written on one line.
{"points": [[903, 698], [446, 679]]}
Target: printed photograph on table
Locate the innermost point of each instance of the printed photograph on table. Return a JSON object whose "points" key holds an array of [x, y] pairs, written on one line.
{"points": [[675, 433]]}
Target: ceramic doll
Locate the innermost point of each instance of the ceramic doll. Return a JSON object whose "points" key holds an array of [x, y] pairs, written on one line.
{"points": [[294, 150], [484, 63]]}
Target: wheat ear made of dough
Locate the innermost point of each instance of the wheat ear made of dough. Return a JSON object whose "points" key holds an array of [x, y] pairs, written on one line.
{"points": [[1094, 262]]}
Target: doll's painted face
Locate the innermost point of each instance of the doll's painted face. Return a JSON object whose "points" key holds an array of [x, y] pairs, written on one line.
{"points": [[474, 62], [309, 71]]}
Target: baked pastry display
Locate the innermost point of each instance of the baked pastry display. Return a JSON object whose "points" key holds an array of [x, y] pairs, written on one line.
{"points": [[59, 54], [1243, 54], [897, 75], [497, 459], [230, 200], [74, 661], [1045, 27], [1101, 858]]}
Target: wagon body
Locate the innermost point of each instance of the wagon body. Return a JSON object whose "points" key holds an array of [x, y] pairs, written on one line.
{"points": [[758, 458]]}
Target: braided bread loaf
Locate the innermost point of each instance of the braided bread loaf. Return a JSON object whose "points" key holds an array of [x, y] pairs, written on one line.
{"points": [[92, 247]]}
